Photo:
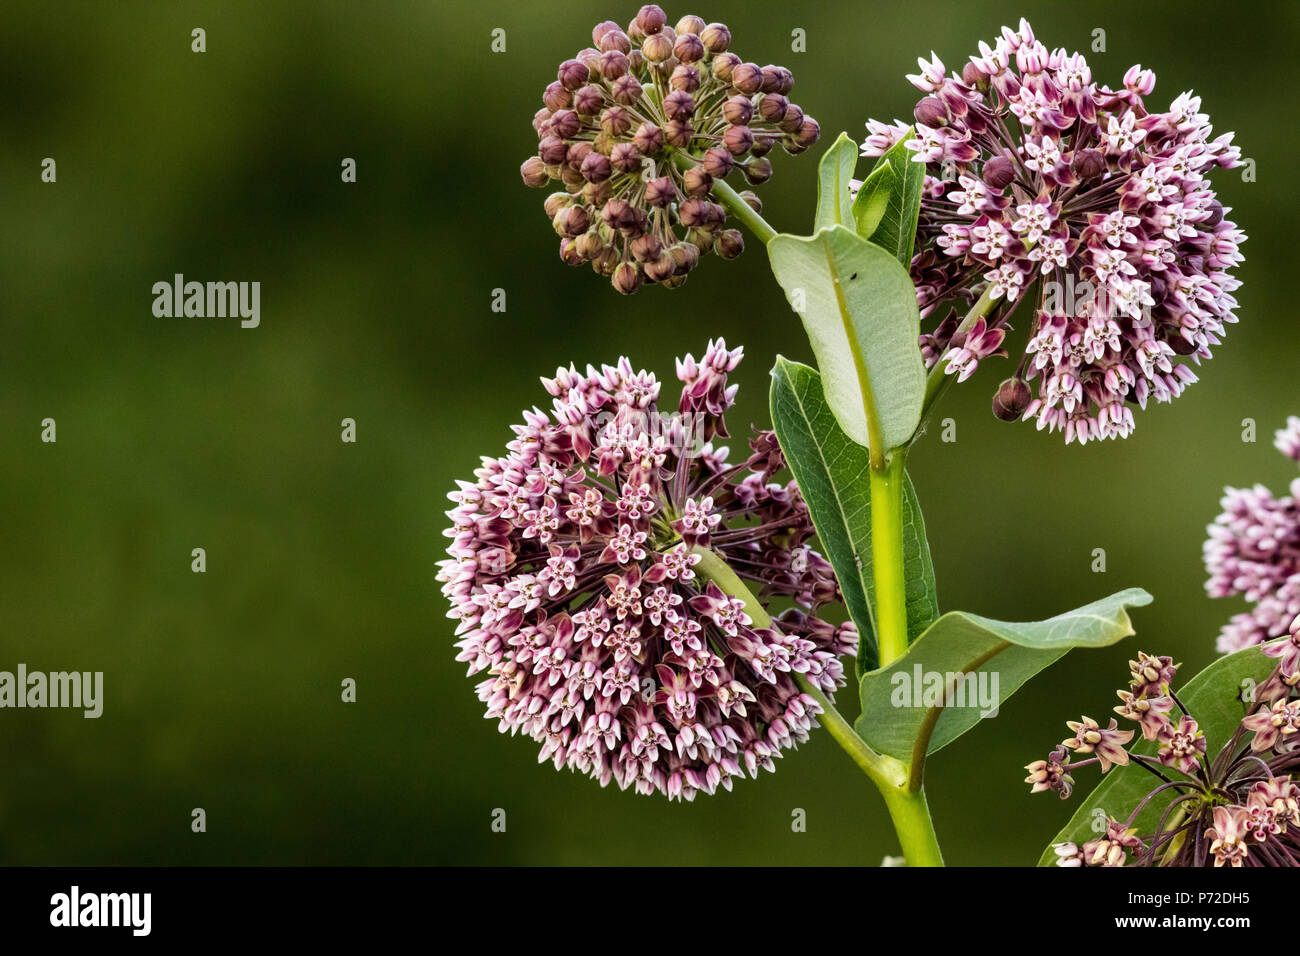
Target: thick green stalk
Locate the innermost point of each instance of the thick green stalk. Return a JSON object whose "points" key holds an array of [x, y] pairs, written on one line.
{"points": [[887, 558], [911, 815]]}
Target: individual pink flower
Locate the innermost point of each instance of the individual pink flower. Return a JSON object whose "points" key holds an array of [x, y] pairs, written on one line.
{"points": [[1106, 742], [573, 574]]}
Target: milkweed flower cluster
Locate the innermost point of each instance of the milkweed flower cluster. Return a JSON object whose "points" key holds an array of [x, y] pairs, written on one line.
{"points": [[573, 575], [1036, 175], [639, 127], [1253, 549], [1236, 807]]}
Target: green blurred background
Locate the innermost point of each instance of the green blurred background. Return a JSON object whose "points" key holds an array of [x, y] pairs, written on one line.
{"points": [[222, 689]]}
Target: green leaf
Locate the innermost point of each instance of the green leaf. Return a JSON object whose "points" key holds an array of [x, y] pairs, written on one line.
{"points": [[834, 203], [889, 202], [896, 713], [1213, 697], [831, 471], [858, 307]]}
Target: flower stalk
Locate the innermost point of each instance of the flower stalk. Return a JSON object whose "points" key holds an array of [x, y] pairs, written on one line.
{"points": [[887, 558], [904, 797]]}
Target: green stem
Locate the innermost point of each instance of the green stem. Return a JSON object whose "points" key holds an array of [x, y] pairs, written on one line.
{"points": [[887, 558], [911, 816], [904, 798], [733, 202]]}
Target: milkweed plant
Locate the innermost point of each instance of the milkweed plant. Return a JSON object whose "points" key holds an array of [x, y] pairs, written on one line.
{"points": [[657, 604]]}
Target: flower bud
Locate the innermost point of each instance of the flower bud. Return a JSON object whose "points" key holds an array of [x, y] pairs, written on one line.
{"points": [[738, 110], [661, 267], [657, 48], [1088, 164], [660, 191], [596, 168], [626, 278], [738, 139], [717, 163], [534, 173], [649, 139], [752, 200], [931, 112], [571, 177], [729, 243], [613, 64], [577, 153], [747, 78], [650, 19], [686, 256], [556, 97], [679, 133], [701, 237], [772, 107], [571, 221], [757, 171], [569, 253], [697, 181], [645, 248], [588, 100], [626, 91], [783, 81], [572, 74], [615, 120], [724, 65], [615, 213], [625, 158], [679, 105], [603, 263], [615, 39], [763, 143], [716, 37], [589, 245], [555, 202], [689, 48], [690, 24], [552, 150], [792, 119], [693, 212], [971, 75], [999, 172], [1011, 399], [809, 132], [685, 78], [600, 29], [566, 124]]}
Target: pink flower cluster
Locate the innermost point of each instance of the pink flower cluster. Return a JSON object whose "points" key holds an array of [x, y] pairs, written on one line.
{"points": [[1239, 806], [1253, 549], [1036, 175], [574, 573]]}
